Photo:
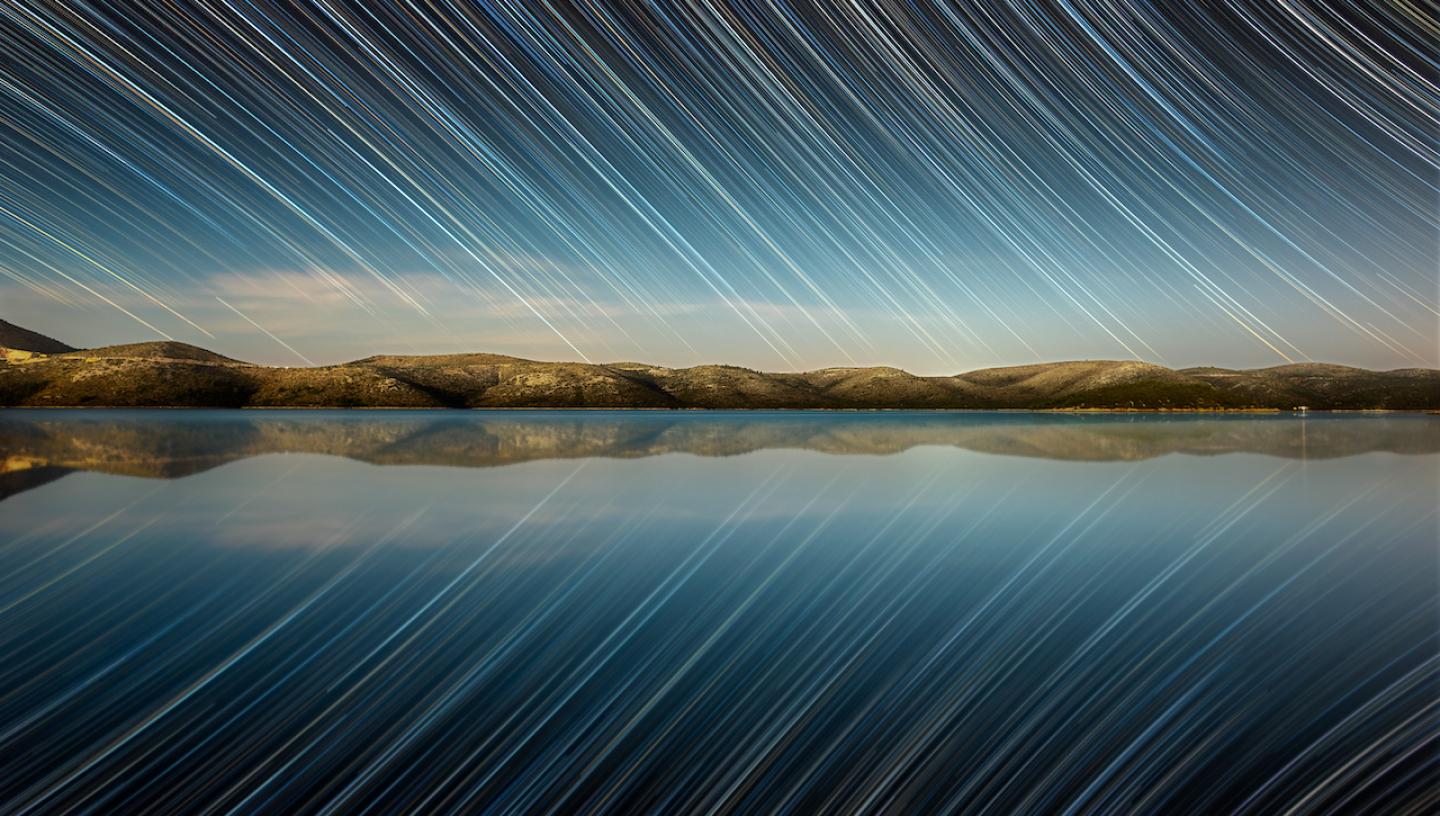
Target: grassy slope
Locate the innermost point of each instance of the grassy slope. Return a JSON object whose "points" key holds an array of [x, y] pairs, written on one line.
{"points": [[177, 374]]}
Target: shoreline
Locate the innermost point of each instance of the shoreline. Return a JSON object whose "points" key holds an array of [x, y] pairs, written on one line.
{"points": [[639, 408]]}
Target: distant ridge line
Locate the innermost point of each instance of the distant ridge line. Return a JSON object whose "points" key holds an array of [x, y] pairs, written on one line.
{"points": [[174, 374], [22, 339]]}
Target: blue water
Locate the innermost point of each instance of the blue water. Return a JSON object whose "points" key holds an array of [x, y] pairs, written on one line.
{"points": [[313, 612]]}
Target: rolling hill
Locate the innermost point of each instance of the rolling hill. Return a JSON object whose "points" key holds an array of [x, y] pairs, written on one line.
{"points": [[173, 374], [21, 339]]}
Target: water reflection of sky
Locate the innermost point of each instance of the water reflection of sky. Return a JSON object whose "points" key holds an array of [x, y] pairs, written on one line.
{"points": [[795, 626]]}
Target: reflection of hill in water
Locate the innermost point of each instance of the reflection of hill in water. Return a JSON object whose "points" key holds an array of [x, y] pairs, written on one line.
{"points": [[146, 445]]}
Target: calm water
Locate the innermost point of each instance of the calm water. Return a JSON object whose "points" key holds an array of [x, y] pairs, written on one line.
{"points": [[681, 612]]}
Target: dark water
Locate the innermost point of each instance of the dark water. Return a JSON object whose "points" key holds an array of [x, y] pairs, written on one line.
{"points": [[658, 612]]}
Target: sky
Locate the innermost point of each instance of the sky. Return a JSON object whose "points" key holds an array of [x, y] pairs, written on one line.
{"points": [[776, 185]]}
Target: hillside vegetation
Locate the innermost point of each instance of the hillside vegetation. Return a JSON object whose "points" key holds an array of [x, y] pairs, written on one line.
{"points": [[178, 374]]}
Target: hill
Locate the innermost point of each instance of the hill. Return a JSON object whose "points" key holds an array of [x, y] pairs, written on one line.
{"points": [[180, 375], [21, 339]]}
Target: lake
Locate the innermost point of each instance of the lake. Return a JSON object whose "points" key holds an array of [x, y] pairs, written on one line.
{"points": [[374, 612]]}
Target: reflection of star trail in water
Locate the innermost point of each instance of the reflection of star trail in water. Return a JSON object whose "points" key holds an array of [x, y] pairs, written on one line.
{"points": [[877, 182], [937, 630]]}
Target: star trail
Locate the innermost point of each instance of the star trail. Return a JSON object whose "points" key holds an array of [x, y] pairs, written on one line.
{"points": [[537, 613], [483, 611], [781, 185]]}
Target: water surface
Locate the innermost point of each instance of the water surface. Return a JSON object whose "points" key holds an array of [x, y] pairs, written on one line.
{"points": [[676, 612]]}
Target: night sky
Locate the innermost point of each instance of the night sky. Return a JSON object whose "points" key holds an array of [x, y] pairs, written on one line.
{"points": [[780, 186]]}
